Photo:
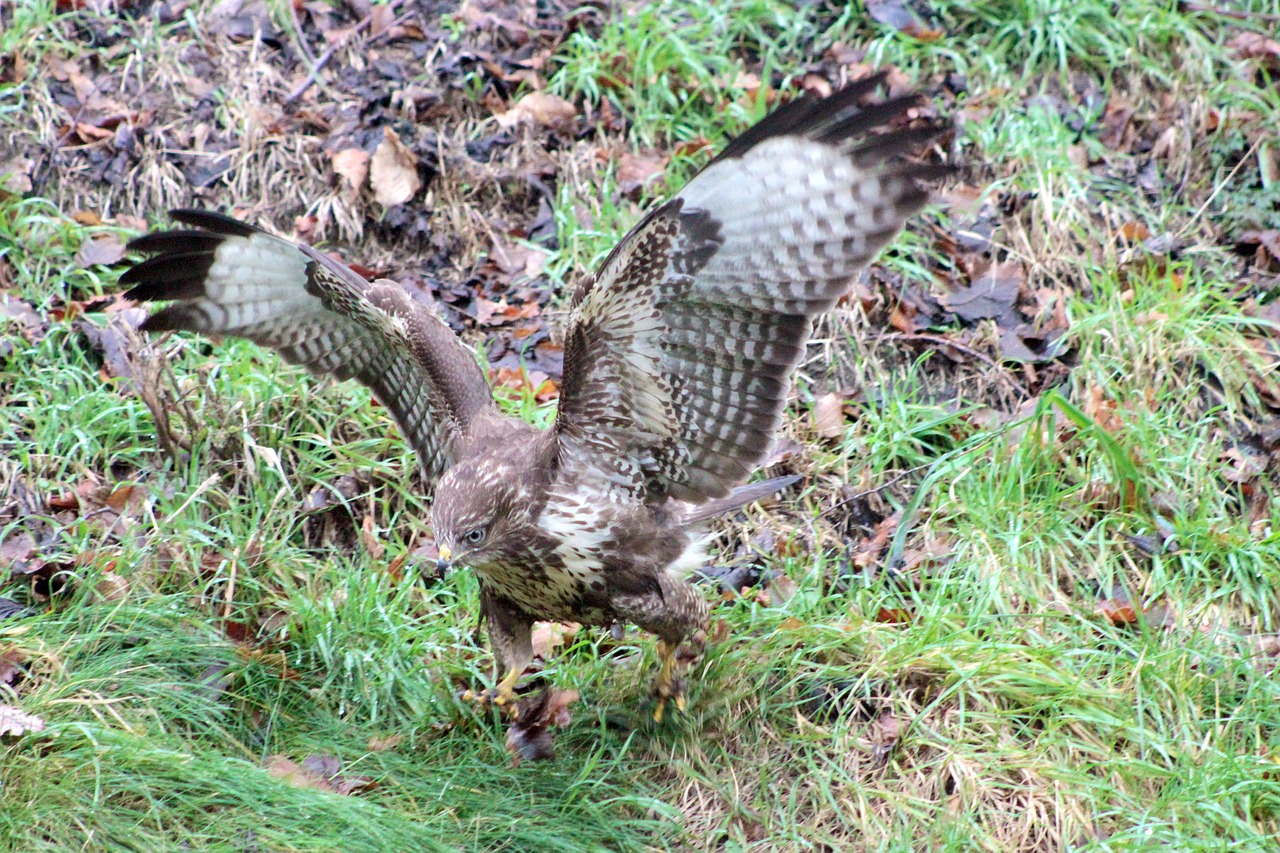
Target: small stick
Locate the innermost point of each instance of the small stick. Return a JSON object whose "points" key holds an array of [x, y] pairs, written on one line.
{"points": [[973, 353], [330, 51]]}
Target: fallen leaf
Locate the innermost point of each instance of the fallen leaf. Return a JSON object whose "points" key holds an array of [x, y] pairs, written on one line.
{"points": [[781, 589], [112, 587], [895, 14], [1134, 232], [515, 260], [15, 722], [15, 175], [295, 774], [636, 171], [991, 296], [30, 324], [11, 661], [369, 539], [870, 548], [1269, 240], [548, 636], [353, 165], [103, 251], [1120, 611], [393, 171], [894, 616], [17, 548], [886, 731], [382, 744], [828, 416], [540, 107], [529, 736], [1251, 45]]}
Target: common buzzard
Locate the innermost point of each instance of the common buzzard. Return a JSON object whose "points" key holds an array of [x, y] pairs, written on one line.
{"points": [[678, 358]]}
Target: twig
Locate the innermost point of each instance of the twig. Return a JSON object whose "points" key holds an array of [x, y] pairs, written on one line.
{"points": [[298, 34], [1234, 14], [320, 63], [972, 353], [1222, 185], [886, 484]]}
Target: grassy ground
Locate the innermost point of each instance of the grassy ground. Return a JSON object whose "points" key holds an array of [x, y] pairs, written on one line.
{"points": [[1031, 605]]}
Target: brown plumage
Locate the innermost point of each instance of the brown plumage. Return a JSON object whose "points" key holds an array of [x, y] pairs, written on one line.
{"points": [[678, 358]]}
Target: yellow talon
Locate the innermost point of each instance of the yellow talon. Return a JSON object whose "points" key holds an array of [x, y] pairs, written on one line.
{"points": [[502, 696], [668, 685]]}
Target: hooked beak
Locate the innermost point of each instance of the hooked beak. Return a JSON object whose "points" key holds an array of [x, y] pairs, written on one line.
{"points": [[445, 562]]}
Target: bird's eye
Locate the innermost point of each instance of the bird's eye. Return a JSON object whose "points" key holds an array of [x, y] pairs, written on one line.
{"points": [[475, 536]]}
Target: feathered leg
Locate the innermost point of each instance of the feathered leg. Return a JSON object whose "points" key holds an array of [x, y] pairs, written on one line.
{"points": [[678, 614], [511, 639]]}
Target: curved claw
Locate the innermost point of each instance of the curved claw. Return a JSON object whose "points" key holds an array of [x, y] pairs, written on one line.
{"points": [[668, 685], [502, 697]]}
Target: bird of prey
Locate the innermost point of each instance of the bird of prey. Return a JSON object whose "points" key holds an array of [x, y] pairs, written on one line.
{"points": [[678, 356]]}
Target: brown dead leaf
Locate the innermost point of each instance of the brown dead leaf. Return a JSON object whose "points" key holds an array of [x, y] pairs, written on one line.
{"points": [[124, 496], [894, 616], [895, 14], [383, 744], [15, 175], [18, 547], [691, 147], [295, 774], [1251, 45], [1134, 232], [991, 295], [111, 587], [14, 722], [1268, 241], [11, 660], [529, 736], [883, 735], [870, 548], [30, 324], [540, 108], [393, 171], [782, 589], [636, 171], [816, 84], [1240, 468], [103, 251], [353, 165], [369, 539], [516, 260], [1119, 611], [1103, 411], [828, 416], [321, 772], [548, 636]]}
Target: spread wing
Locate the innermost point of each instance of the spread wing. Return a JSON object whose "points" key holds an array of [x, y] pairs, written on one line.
{"points": [[229, 278], [679, 353]]}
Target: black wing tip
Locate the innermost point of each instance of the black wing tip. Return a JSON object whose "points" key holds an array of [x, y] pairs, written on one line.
{"points": [[181, 258], [838, 119], [218, 223]]}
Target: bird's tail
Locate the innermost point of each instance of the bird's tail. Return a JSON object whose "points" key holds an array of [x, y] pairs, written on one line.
{"points": [[740, 496]]}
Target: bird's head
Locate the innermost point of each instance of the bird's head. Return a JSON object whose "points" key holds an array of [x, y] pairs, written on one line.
{"points": [[477, 513]]}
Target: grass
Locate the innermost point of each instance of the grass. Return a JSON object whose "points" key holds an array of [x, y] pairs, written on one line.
{"points": [[967, 696]]}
